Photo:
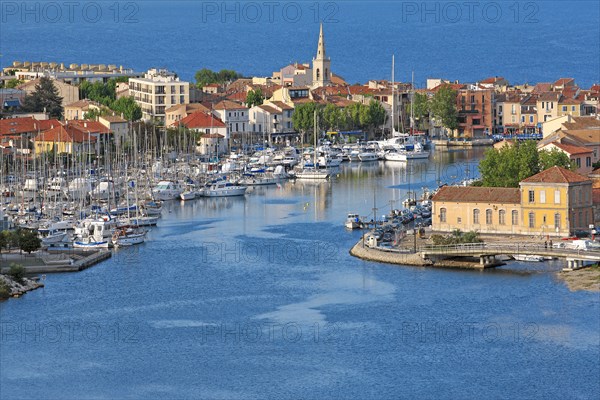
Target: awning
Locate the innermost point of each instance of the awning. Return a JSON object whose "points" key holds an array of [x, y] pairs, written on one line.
{"points": [[12, 103]]}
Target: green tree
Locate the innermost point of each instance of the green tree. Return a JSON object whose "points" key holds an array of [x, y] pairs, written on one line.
{"points": [[443, 107], [555, 157], [4, 240], [13, 83], [206, 76], [17, 272], [29, 241], [254, 98], [103, 93], [128, 107], [376, 114], [303, 118], [45, 97], [420, 109], [509, 165], [331, 117]]}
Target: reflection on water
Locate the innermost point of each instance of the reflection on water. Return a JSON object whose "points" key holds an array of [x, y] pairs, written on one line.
{"points": [[257, 296]]}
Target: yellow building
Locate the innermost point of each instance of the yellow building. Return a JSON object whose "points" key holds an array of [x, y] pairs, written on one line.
{"points": [[554, 202]]}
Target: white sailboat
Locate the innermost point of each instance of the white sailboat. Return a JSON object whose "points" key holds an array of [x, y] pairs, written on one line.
{"points": [[313, 172]]}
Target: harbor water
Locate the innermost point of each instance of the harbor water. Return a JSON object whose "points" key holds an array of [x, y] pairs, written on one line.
{"points": [[257, 297]]}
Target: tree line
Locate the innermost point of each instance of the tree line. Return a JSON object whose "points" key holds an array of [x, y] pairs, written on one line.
{"points": [[507, 166]]}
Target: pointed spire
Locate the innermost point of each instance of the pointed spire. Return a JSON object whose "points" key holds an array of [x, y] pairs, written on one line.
{"points": [[321, 48]]}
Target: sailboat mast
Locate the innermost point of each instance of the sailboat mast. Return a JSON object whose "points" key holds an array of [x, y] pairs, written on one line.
{"points": [[393, 98]]}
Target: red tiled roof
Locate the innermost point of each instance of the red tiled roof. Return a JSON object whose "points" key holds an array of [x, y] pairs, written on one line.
{"points": [[571, 149], [492, 79], [201, 119], [281, 105], [542, 87], [86, 125], [562, 81], [556, 175], [19, 126], [229, 105], [66, 133], [472, 194]]}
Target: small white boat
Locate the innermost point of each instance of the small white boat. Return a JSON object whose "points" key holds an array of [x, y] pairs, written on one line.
{"points": [[128, 237], [527, 257], [167, 190], [353, 221], [368, 155], [394, 156], [54, 237], [187, 195], [90, 243], [312, 173], [224, 189]]}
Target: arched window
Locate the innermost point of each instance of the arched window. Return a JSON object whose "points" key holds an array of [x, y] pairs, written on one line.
{"points": [[532, 220], [502, 217], [488, 216], [476, 216], [318, 73], [442, 215], [515, 217]]}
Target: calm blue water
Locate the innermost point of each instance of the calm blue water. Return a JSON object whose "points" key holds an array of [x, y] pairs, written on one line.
{"points": [[524, 41], [259, 298]]}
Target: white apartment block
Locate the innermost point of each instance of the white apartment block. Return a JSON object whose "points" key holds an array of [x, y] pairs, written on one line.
{"points": [[157, 91]]}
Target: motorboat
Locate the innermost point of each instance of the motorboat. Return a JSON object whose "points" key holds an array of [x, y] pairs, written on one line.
{"points": [[167, 190]]}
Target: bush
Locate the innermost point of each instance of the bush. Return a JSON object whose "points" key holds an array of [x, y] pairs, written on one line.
{"points": [[4, 291], [456, 237], [17, 272], [29, 241]]}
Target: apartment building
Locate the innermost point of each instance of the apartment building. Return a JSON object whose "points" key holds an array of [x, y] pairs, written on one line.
{"points": [[157, 91]]}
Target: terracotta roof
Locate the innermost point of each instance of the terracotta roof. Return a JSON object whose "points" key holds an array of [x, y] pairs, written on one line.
{"points": [[19, 126], [67, 133], [228, 105], [269, 109], [212, 136], [200, 119], [113, 118], [472, 194], [492, 79], [188, 108], [562, 81], [579, 123], [549, 96], [571, 149], [556, 175], [281, 105], [89, 126], [542, 87], [85, 103]]}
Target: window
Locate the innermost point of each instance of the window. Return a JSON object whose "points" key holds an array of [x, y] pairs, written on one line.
{"points": [[502, 217], [475, 216], [522, 119], [585, 221], [557, 197], [564, 108], [515, 217], [488, 217], [442, 215], [531, 220], [557, 221], [588, 161], [579, 218], [578, 161], [458, 220], [531, 196], [572, 108], [544, 219], [531, 119], [542, 196]]}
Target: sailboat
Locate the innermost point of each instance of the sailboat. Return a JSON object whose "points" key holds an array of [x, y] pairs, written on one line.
{"points": [[313, 172]]}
